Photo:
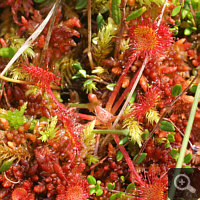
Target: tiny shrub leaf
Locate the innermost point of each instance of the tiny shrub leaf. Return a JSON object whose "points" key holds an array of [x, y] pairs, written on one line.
{"points": [[141, 158], [81, 4], [187, 158], [175, 11], [91, 180], [115, 10], [130, 188], [135, 14], [119, 156], [176, 90], [167, 126]]}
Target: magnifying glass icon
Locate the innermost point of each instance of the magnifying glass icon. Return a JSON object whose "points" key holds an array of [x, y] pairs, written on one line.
{"points": [[182, 182]]}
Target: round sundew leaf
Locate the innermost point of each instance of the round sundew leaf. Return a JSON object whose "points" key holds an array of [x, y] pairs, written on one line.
{"points": [[91, 180], [119, 156], [135, 14], [130, 188], [175, 11], [19, 193], [167, 126], [176, 90], [187, 158]]}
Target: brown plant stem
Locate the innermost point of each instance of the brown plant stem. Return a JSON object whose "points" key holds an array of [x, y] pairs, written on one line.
{"points": [[121, 29], [90, 33]]}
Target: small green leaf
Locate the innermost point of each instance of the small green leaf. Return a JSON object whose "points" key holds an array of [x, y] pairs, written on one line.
{"points": [[123, 141], [187, 158], [87, 82], [176, 90], [113, 196], [76, 76], [80, 4], [135, 14], [167, 145], [198, 17], [100, 22], [77, 66], [6, 165], [39, 1], [188, 169], [193, 88], [122, 178], [130, 188], [91, 180], [184, 13], [111, 86], [170, 138], [175, 11], [133, 97], [111, 186], [115, 10], [99, 192], [119, 156], [141, 158], [7, 52], [83, 73], [92, 191], [174, 154], [188, 31], [167, 126], [145, 135]]}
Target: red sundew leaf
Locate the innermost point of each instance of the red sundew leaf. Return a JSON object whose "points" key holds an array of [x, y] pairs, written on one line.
{"points": [[40, 76], [146, 102], [147, 37], [156, 189], [77, 188], [19, 194]]}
